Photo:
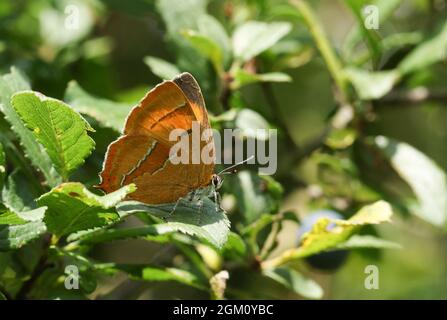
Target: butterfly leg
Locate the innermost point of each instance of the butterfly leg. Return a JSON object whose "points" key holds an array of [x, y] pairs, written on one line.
{"points": [[200, 208], [217, 200], [173, 209], [190, 197]]}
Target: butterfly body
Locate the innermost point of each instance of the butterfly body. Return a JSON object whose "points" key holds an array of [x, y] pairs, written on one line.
{"points": [[142, 154]]}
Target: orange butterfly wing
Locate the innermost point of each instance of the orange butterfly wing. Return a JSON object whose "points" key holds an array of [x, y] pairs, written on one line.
{"points": [[141, 155]]}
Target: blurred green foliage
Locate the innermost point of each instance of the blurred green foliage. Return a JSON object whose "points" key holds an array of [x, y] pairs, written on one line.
{"points": [[360, 116]]}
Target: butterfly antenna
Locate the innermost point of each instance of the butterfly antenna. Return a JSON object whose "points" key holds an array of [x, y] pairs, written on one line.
{"points": [[228, 170]]}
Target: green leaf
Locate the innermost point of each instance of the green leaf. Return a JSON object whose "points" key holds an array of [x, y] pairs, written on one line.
{"points": [[235, 247], [62, 131], [190, 218], [242, 78], [341, 138], [210, 27], [426, 54], [360, 242], [327, 233], [71, 208], [386, 9], [206, 47], [2, 166], [423, 175], [18, 193], [249, 122], [403, 39], [9, 217], [369, 35], [16, 236], [107, 113], [161, 68], [180, 15], [9, 84], [253, 37], [296, 282], [152, 273], [99, 235], [255, 195], [372, 85], [322, 238]]}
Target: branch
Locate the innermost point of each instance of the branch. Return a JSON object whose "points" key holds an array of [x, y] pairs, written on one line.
{"points": [[333, 63], [276, 113], [226, 91], [5, 293], [415, 96]]}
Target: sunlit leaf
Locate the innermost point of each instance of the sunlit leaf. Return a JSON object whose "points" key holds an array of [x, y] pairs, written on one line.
{"points": [[9, 84], [253, 37], [341, 138], [180, 15], [2, 166], [361, 242], [327, 233], [423, 175], [211, 27], [16, 236], [62, 131], [372, 85], [161, 68], [242, 78], [207, 47], [252, 124], [71, 208], [296, 282], [426, 54], [10, 217], [197, 219]]}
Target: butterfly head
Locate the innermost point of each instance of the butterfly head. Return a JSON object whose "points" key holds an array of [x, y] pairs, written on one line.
{"points": [[216, 181]]}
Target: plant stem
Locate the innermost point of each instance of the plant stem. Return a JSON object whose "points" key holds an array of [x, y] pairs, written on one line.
{"points": [[285, 257], [414, 96], [5, 293], [270, 243], [333, 63], [226, 92], [41, 266], [277, 114]]}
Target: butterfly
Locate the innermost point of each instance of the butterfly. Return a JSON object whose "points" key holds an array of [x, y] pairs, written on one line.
{"points": [[141, 155]]}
